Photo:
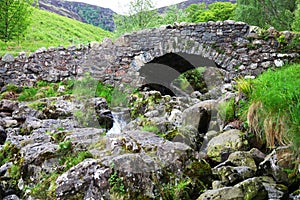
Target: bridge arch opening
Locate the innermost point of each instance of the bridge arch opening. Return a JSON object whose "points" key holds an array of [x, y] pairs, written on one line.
{"points": [[163, 73]]}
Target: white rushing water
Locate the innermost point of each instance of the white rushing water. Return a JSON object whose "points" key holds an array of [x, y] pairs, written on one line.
{"points": [[119, 123]]}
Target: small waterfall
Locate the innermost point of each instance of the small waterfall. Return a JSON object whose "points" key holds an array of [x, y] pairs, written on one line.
{"points": [[120, 121]]}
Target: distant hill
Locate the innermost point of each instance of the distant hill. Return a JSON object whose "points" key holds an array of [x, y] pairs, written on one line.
{"points": [[50, 29], [86, 13], [185, 4]]}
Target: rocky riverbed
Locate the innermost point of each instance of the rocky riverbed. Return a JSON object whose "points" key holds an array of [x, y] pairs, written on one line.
{"points": [[158, 147]]}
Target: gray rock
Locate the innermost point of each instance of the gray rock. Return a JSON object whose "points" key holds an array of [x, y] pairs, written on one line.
{"points": [[199, 115], [242, 158], [88, 177], [83, 138], [8, 106], [8, 58], [3, 135], [226, 143], [11, 197], [276, 162], [248, 189]]}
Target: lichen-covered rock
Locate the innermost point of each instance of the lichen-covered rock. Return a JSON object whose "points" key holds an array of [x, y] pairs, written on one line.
{"points": [[226, 143], [224, 193], [230, 175], [248, 189], [242, 158], [87, 180]]}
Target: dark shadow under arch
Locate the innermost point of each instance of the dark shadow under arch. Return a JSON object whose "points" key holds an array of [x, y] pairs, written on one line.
{"points": [[163, 70]]}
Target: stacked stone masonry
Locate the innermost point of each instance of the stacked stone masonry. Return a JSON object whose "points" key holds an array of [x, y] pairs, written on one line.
{"points": [[233, 46]]}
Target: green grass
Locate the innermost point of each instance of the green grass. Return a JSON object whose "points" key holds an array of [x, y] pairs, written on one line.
{"points": [[49, 29], [274, 106]]}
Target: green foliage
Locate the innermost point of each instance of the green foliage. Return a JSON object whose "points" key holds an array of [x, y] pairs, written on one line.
{"points": [[44, 89], [192, 78], [8, 152], [193, 11], [226, 110], [173, 14], [275, 101], [68, 158], [153, 128], [244, 85], [45, 189], [276, 13], [116, 184], [141, 15], [296, 23], [218, 11], [49, 29], [14, 18]]}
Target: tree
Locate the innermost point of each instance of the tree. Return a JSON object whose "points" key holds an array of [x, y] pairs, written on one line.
{"points": [[296, 23], [218, 11], [172, 14], [265, 13], [141, 15], [193, 11], [14, 18]]}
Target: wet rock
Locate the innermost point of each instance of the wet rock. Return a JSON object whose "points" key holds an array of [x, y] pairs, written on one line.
{"points": [[87, 178], [226, 143]]}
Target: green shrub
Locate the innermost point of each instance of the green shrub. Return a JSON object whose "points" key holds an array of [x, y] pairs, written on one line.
{"points": [[226, 110]]}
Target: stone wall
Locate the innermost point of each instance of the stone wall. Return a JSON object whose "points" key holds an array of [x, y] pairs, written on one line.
{"points": [[233, 46]]}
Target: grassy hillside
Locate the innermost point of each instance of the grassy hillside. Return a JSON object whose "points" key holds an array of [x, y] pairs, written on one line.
{"points": [[48, 29]]}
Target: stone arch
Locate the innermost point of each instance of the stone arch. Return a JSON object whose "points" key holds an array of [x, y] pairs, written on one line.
{"points": [[162, 66]]}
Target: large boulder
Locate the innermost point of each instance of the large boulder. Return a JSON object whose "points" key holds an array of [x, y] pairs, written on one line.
{"points": [[277, 162], [87, 180], [221, 146], [251, 188], [200, 115]]}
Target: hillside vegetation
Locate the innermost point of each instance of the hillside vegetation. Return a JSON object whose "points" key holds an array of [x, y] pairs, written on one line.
{"points": [[48, 29]]}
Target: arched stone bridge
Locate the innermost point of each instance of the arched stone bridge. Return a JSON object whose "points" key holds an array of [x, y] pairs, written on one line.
{"points": [[159, 55]]}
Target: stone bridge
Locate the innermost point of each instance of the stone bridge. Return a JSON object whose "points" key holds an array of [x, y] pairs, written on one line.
{"points": [[159, 55]]}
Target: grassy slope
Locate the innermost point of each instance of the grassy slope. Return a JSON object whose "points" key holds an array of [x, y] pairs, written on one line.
{"points": [[48, 29]]}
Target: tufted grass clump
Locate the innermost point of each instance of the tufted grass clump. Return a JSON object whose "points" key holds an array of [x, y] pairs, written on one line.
{"points": [[274, 111]]}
